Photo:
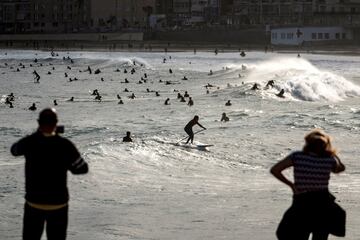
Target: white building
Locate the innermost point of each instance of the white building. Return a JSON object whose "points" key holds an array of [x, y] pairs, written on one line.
{"points": [[297, 36]]}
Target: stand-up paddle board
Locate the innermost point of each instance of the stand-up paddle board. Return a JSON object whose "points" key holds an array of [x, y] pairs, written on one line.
{"points": [[195, 146]]}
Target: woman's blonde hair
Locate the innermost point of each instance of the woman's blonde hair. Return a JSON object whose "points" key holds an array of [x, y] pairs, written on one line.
{"points": [[319, 143]]}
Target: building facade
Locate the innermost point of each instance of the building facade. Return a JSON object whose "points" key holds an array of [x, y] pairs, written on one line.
{"points": [[25, 16], [29, 16], [299, 36]]}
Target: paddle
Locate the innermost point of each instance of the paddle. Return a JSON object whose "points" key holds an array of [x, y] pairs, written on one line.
{"points": [[188, 136]]}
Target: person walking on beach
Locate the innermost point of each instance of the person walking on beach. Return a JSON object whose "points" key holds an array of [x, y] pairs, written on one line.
{"points": [[48, 157], [313, 209], [189, 126]]}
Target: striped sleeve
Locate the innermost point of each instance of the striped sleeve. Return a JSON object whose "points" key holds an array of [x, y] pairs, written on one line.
{"points": [[77, 164]]}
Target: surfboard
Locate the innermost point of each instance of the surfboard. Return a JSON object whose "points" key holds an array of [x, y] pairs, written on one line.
{"points": [[195, 146]]}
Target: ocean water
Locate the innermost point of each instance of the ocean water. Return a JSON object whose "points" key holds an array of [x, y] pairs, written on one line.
{"points": [[154, 189]]}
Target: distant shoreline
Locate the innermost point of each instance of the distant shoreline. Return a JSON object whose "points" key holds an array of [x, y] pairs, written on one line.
{"points": [[168, 46]]}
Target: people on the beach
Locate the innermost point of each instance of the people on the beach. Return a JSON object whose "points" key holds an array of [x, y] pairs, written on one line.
{"points": [[48, 157], [127, 138], [167, 101], [313, 210], [224, 118], [189, 126], [228, 103], [55, 102]]}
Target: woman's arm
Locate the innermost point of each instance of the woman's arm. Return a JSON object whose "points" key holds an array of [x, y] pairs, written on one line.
{"points": [[339, 167], [277, 169]]}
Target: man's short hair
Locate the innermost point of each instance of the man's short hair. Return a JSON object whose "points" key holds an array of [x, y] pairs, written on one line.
{"points": [[48, 116]]}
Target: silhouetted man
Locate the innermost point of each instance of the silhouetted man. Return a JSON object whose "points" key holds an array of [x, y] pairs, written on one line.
{"points": [[48, 157]]}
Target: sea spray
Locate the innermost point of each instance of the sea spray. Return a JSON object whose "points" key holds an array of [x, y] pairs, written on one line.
{"points": [[302, 80]]}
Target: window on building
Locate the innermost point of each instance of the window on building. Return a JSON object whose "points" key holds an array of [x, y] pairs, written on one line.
{"points": [[343, 35], [283, 35], [313, 36], [290, 36], [43, 24], [327, 35], [274, 35], [337, 35], [55, 24], [320, 36]]}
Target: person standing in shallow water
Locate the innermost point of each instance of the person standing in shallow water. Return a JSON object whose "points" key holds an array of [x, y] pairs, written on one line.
{"points": [[48, 157], [127, 138], [189, 126], [313, 210]]}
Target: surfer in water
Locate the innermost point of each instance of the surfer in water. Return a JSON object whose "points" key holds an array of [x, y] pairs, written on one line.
{"points": [[127, 138], [281, 93], [189, 126]]}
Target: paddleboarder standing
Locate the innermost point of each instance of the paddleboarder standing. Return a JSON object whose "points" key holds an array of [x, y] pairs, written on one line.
{"points": [[189, 126]]}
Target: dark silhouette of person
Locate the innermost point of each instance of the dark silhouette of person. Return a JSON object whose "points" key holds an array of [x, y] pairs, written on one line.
{"points": [[228, 103], [37, 76], [186, 94], [224, 118], [167, 101], [126, 90], [71, 99], [184, 78], [281, 93], [125, 71], [98, 98], [182, 99], [127, 138], [243, 54], [32, 107], [121, 102], [89, 69], [55, 103], [95, 92], [97, 71], [189, 126], [313, 210], [191, 102], [7, 100], [11, 97], [11, 105], [157, 94], [118, 96], [170, 71], [269, 84], [179, 95], [255, 87], [48, 157]]}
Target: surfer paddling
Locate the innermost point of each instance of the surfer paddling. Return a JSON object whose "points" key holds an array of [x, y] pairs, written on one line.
{"points": [[189, 126]]}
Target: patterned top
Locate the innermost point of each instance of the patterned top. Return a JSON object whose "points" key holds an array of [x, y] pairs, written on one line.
{"points": [[311, 172]]}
